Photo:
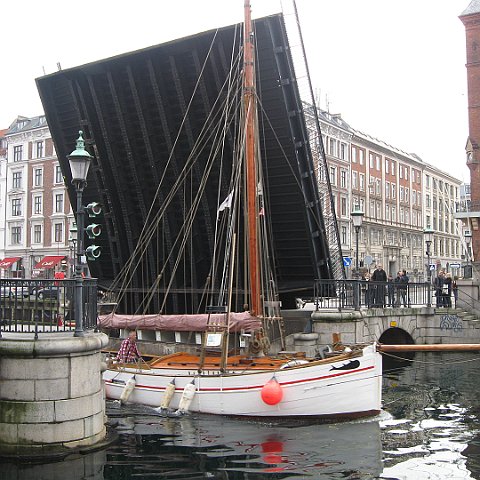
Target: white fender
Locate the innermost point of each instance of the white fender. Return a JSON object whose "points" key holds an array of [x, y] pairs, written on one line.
{"points": [[187, 397], [128, 389], [293, 363], [167, 395]]}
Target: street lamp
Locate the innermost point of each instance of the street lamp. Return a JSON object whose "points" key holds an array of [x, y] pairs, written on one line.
{"points": [[357, 219], [79, 161], [468, 240], [72, 240], [428, 235]]}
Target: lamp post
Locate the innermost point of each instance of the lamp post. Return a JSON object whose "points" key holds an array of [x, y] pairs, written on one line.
{"points": [[428, 235], [79, 161], [357, 219], [72, 240], [468, 240]]}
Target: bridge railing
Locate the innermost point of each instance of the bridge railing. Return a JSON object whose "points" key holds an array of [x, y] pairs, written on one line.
{"points": [[355, 294], [36, 306]]}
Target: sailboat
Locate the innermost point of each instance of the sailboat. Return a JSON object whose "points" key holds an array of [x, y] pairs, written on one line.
{"points": [[343, 383]]}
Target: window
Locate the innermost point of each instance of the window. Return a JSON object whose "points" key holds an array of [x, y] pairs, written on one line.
{"points": [[387, 164], [343, 178], [407, 195], [428, 201], [37, 234], [394, 214], [37, 204], [394, 191], [406, 173], [361, 154], [400, 171], [333, 175], [37, 177], [18, 153], [354, 155], [343, 151], [332, 144], [343, 206], [387, 189], [58, 232], [59, 203], [17, 180], [39, 147], [58, 174], [378, 187], [387, 212], [378, 162], [16, 207], [354, 180], [371, 161], [362, 181], [344, 235], [16, 235], [427, 181], [393, 167]]}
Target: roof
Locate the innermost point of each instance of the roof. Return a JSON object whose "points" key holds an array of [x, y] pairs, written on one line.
{"points": [[473, 7], [23, 124]]}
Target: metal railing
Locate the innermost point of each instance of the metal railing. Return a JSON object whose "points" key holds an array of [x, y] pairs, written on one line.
{"points": [[36, 306], [355, 294]]}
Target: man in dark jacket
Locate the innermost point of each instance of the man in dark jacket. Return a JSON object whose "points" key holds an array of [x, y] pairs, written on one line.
{"points": [[379, 276]]}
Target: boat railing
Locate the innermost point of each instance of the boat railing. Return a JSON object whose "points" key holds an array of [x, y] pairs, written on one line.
{"points": [[45, 305], [355, 294]]}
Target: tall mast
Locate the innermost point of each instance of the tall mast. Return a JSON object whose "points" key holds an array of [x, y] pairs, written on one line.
{"points": [[250, 161]]}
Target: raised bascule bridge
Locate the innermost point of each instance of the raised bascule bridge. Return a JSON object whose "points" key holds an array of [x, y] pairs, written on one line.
{"points": [[141, 114]]}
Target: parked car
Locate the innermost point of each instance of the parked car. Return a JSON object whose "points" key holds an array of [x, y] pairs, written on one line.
{"points": [[48, 292], [6, 292]]}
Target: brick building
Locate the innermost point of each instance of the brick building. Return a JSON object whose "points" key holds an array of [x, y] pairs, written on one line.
{"points": [[37, 213]]}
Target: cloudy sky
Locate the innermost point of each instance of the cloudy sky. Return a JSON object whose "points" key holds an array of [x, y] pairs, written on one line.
{"points": [[394, 69]]}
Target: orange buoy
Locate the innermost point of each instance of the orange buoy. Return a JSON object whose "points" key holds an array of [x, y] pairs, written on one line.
{"points": [[272, 392]]}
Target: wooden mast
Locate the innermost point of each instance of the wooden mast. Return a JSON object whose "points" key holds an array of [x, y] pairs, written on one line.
{"points": [[250, 162]]}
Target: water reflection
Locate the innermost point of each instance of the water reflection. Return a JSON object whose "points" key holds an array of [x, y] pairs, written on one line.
{"points": [[240, 449]]}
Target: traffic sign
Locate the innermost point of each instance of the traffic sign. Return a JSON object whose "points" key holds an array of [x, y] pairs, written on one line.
{"points": [[432, 267], [455, 265], [368, 260], [347, 261]]}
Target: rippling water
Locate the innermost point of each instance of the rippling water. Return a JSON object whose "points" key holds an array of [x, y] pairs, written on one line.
{"points": [[429, 429]]}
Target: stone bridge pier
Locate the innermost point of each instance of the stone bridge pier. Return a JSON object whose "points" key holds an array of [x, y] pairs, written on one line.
{"points": [[52, 400]]}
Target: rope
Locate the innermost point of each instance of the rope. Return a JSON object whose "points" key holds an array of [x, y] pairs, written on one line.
{"points": [[440, 364]]}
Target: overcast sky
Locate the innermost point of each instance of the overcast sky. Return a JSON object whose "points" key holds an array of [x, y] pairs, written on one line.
{"points": [[394, 69]]}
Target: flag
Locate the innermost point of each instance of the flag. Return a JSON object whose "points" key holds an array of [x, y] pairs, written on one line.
{"points": [[227, 203]]}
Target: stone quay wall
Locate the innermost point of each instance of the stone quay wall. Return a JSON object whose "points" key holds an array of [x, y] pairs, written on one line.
{"points": [[52, 397], [427, 325]]}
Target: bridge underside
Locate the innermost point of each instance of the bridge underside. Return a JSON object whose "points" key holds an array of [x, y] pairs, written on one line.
{"points": [[140, 119]]}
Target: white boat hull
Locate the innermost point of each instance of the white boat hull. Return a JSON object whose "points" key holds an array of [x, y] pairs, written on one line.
{"points": [[315, 389]]}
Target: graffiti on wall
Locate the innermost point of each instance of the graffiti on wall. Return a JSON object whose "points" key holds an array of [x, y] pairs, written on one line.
{"points": [[450, 322]]}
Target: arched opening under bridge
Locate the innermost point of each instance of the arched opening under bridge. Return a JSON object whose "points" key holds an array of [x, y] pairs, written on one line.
{"points": [[396, 336]]}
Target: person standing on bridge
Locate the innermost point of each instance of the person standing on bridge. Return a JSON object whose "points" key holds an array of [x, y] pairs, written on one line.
{"points": [[379, 276]]}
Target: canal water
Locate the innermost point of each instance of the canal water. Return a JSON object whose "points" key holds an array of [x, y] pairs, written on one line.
{"points": [[429, 429]]}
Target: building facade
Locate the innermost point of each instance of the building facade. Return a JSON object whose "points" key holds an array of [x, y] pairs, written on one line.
{"points": [[470, 215], [393, 189], [37, 213]]}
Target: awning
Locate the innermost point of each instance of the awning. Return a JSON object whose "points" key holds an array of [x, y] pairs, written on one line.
{"points": [[49, 261], [8, 262]]}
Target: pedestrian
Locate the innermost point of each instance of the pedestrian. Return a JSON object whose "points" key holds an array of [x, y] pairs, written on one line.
{"points": [[128, 351], [368, 289], [396, 283], [447, 291], [379, 276], [455, 289], [402, 288], [438, 286], [390, 291], [406, 280]]}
